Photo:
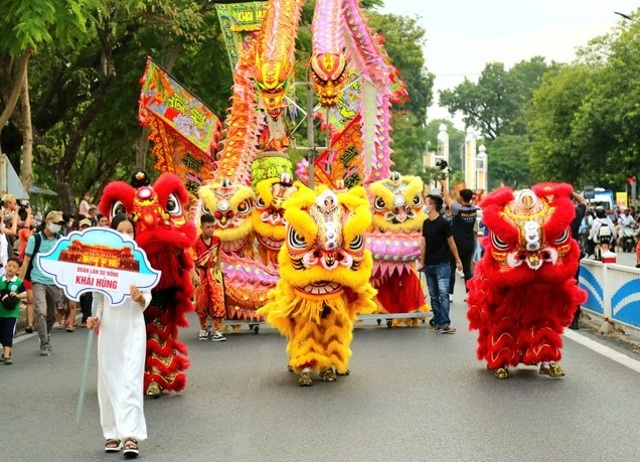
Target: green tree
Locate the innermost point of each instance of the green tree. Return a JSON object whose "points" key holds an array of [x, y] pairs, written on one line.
{"points": [[552, 124], [585, 121], [507, 158], [27, 27], [496, 103], [85, 107]]}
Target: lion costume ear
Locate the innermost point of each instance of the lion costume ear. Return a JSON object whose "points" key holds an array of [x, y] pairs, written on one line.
{"points": [[117, 198], [558, 195]]}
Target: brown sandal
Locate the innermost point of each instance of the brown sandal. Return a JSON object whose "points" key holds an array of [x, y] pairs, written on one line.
{"points": [[112, 445], [131, 448]]}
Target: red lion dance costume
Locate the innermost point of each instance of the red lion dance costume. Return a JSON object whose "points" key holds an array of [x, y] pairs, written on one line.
{"points": [[524, 294], [166, 236]]}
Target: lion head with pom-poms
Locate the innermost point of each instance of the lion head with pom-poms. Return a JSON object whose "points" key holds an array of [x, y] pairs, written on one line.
{"points": [[268, 214], [397, 203], [231, 205]]}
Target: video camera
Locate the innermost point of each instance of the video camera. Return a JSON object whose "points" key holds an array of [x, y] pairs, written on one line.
{"points": [[445, 169]]}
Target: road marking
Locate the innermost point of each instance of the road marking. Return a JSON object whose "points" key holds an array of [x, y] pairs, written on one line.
{"points": [[604, 350]]}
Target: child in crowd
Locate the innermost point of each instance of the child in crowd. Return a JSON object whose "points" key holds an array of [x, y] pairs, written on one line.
{"points": [[208, 278], [11, 292], [121, 355]]}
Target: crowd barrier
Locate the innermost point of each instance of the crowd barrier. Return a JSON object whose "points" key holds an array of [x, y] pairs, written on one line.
{"points": [[613, 291]]}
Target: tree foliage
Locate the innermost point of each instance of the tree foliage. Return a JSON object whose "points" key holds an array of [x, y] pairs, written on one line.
{"points": [[585, 121], [496, 104]]}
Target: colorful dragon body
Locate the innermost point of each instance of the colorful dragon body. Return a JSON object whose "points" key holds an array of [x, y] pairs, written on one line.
{"points": [[166, 236], [324, 270], [342, 46], [246, 279], [394, 241], [523, 293]]}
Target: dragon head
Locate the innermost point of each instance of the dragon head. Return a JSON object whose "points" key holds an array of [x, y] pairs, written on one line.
{"points": [[328, 76], [324, 249], [272, 80], [397, 203], [231, 205]]}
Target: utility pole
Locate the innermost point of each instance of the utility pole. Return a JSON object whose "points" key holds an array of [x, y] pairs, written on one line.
{"points": [[312, 149]]}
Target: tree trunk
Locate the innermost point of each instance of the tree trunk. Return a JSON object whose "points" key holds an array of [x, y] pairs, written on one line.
{"points": [[66, 199], [26, 167], [15, 92]]}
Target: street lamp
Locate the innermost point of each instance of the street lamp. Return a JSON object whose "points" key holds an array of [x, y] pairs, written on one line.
{"points": [[481, 169]]}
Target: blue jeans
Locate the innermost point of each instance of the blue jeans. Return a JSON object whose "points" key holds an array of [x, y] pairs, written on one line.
{"points": [[438, 285]]}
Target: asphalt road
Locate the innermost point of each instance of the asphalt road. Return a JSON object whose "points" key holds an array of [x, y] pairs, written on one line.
{"points": [[413, 395]]}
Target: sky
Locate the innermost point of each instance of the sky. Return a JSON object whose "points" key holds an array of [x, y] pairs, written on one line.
{"points": [[464, 35]]}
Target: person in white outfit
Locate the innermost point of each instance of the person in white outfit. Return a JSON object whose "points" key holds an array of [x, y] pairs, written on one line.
{"points": [[122, 344]]}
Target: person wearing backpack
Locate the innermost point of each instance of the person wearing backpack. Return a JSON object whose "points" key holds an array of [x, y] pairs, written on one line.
{"points": [[46, 294], [602, 230]]}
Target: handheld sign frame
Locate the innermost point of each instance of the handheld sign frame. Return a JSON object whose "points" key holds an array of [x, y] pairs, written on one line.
{"points": [[98, 260]]}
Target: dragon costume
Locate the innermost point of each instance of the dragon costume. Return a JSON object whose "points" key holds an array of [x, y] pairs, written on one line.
{"points": [[325, 271], [524, 293], [394, 241], [166, 236]]}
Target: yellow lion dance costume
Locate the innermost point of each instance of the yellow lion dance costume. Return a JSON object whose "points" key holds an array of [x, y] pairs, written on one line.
{"points": [[394, 241], [325, 271]]}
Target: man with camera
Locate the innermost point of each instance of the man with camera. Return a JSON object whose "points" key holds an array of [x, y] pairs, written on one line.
{"points": [[464, 219], [11, 219]]}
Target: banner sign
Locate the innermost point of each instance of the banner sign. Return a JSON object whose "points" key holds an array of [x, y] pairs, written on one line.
{"points": [[180, 109], [240, 24], [343, 161], [98, 260], [182, 128]]}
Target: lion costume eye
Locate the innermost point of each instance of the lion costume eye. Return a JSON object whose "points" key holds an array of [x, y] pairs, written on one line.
{"points": [[205, 209], [117, 208], [417, 200], [244, 207], [499, 243], [564, 237], [173, 205], [357, 243], [379, 204], [295, 240], [260, 203]]}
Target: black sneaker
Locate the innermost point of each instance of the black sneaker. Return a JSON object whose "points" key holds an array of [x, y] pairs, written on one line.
{"points": [[448, 330], [29, 329]]}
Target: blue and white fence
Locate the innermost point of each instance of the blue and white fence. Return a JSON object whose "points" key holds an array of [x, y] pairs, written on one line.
{"points": [[613, 290]]}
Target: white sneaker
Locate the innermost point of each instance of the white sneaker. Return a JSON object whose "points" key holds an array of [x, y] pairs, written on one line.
{"points": [[451, 298], [204, 334], [218, 337]]}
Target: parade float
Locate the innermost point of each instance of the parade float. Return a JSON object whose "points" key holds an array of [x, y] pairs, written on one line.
{"points": [[349, 88]]}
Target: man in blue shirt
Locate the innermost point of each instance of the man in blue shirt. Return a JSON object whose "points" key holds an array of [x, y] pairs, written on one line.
{"points": [[46, 294]]}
